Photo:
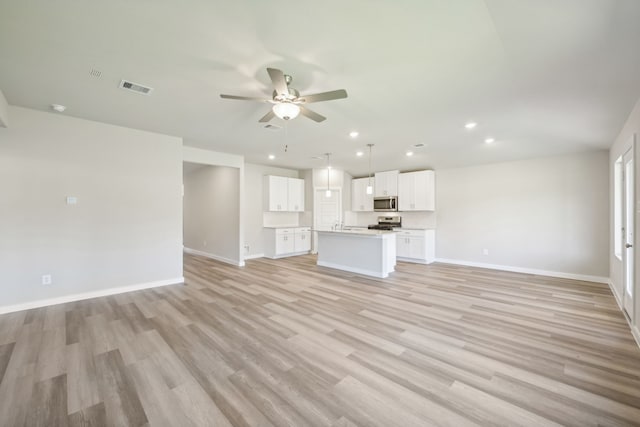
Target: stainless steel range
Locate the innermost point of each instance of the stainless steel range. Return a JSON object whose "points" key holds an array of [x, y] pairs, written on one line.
{"points": [[387, 223]]}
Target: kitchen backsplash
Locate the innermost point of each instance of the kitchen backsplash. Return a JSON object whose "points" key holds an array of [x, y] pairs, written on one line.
{"points": [[409, 219]]}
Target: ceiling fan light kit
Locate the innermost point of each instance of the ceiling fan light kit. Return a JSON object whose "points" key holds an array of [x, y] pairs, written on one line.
{"points": [[287, 102], [286, 110]]}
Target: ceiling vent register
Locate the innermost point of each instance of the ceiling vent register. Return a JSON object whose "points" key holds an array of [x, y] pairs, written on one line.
{"points": [[135, 87]]}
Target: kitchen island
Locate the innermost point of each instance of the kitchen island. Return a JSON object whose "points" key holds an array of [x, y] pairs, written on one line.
{"points": [[368, 252]]}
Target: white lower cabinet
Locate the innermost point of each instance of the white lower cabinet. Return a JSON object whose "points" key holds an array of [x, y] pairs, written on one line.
{"points": [[302, 240], [416, 245], [283, 242]]}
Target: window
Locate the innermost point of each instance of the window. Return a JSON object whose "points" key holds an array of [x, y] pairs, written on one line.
{"points": [[617, 208]]}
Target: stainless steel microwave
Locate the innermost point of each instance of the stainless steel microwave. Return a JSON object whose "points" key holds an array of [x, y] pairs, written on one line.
{"points": [[385, 204]]}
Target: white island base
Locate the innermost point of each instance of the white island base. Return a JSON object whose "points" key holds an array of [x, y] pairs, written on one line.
{"points": [[368, 252]]}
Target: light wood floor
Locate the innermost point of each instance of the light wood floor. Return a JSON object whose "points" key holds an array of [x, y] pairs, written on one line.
{"points": [[287, 343]]}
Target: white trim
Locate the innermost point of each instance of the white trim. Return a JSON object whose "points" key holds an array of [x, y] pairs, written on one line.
{"points": [[634, 330], [288, 254], [89, 295], [354, 269], [254, 256], [216, 257], [584, 277], [636, 334]]}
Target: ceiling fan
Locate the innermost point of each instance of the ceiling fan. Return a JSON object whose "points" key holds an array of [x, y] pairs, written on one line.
{"points": [[287, 101]]}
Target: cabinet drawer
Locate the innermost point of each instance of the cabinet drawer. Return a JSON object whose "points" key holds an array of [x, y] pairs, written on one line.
{"points": [[411, 233], [285, 230]]}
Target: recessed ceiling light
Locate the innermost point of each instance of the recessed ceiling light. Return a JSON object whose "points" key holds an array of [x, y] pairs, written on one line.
{"points": [[409, 153], [59, 108], [354, 134], [271, 157], [471, 125], [489, 140], [359, 153]]}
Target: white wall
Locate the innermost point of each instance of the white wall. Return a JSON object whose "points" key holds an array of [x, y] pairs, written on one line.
{"points": [[619, 147], [4, 111], [255, 218], [212, 212], [126, 228], [548, 214]]}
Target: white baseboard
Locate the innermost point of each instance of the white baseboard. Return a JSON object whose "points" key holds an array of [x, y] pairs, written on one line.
{"points": [[88, 295], [636, 334], [212, 256], [583, 277], [634, 330], [254, 256]]}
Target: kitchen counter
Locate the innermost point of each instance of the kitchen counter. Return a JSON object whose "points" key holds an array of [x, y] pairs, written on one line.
{"points": [[368, 252], [360, 231]]}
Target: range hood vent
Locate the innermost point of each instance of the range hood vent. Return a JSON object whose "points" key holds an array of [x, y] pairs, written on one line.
{"points": [[135, 87]]}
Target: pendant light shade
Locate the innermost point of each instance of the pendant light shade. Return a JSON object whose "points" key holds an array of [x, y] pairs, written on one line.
{"points": [[369, 186], [286, 110]]}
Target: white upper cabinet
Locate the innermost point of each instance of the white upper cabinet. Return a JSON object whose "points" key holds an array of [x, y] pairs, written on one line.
{"points": [[360, 200], [283, 194], [296, 194], [386, 184], [416, 191]]}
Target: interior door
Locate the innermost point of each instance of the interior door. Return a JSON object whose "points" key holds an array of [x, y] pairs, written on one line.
{"points": [[628, 302]]}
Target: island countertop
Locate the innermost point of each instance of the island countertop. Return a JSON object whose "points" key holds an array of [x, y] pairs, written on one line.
{"points": [[360, 232]]}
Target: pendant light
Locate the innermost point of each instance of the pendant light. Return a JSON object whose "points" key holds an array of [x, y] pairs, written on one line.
{"points": [[369, 186], [328, 192]]}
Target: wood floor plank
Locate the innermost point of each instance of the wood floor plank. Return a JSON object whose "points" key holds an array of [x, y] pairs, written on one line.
{"points": [[49, 403], [287, 343]]}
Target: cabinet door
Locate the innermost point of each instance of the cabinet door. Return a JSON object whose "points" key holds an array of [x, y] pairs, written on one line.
{"points": [[295, 190], [402, 246], [406, 192], [360, 200], [285, 244], [303, 241], [416, 247], [386, 184], [424, 191], [276, 190], [416, 191]]}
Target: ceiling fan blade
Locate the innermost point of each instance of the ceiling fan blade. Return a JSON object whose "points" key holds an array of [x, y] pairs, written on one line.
{"points": [[279, 82], [270, 115], [324, 96], [244, 98], [312, 115]]}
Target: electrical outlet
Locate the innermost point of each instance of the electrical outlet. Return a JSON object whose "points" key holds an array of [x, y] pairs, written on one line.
{"points": [[246, 248], [485, 251], [46, 279]]}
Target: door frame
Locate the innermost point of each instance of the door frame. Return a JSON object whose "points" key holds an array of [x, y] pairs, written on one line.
{"points": [[628, 221]]}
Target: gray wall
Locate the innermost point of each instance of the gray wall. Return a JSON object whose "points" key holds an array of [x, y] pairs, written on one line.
{"points": [[212, 212], [546, 214], [125, 229]]}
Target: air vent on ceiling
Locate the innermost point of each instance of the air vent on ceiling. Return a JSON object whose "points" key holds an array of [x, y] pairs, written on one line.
{"points": [[272, 127], [95, 73], [135, 87], [418, 145]]}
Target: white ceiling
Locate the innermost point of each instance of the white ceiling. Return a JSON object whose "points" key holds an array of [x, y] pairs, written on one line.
{"points": [[543, 77]]}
